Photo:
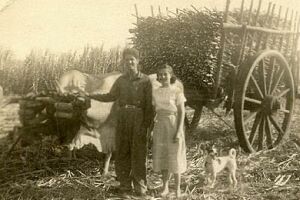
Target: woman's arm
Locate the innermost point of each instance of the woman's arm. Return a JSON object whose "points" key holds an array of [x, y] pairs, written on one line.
{"points": [[180, 122]]}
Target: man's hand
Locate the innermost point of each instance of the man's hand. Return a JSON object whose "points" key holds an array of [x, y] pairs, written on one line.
{"points": [[83, 93], [30, 95]]}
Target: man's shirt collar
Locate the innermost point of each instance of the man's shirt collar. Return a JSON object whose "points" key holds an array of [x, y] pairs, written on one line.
{"points": [[139, 75]]}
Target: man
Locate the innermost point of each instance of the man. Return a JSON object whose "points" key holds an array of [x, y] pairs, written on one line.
{"points": [[133, 91]]}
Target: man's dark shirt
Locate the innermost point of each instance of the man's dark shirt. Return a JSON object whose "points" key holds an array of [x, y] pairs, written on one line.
{"points": [[135, 91]]}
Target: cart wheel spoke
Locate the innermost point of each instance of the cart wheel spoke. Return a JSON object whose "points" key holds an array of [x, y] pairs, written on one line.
{"points": [[268, 133], [262, 72], [276, 125], [284, 92], [277, 81], [271, 75], [255, 101], [284, 111], [261, 134], [256, 86], [251, 116], [254, 127]]}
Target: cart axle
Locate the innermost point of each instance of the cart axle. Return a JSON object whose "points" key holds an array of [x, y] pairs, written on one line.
{"points": [[270, 104]]}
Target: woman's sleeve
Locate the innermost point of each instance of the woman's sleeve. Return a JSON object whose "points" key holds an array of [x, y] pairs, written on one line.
{"points": [[180, 98]]}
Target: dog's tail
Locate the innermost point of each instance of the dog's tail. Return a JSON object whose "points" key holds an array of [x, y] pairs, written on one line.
{"points": [[232, 153]]}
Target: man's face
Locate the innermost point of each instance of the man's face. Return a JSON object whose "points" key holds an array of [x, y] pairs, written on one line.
{"points": [[131, 64]]}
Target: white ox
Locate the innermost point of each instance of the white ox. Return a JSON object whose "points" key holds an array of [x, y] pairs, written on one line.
{"points": [[101, 116]]}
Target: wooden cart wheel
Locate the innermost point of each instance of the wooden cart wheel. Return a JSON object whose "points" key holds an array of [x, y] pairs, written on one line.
{"points": [[263, 102]]}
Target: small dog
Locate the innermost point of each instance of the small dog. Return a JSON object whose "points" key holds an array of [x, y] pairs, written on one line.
{"points": [[214, 165]]}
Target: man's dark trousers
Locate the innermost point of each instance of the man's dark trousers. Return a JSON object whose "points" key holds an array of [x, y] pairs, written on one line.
{"points": [[131, 153]]}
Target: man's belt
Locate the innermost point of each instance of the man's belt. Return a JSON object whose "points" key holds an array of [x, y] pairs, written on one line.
{"points": [[129, 106]]}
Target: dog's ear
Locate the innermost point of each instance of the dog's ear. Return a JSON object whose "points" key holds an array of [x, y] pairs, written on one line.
{"points": [[214, 149], [213, 155], [211, 149]]}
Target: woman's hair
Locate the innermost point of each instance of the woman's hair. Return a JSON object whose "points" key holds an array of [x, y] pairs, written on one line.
{"points": [[170, 69], [131, 51]]}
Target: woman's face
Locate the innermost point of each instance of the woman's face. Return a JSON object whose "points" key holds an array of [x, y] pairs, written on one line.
{"points": [[164, 76]]}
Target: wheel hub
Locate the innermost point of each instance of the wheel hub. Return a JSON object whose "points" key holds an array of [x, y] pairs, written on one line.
{"points": [[270, 104]]}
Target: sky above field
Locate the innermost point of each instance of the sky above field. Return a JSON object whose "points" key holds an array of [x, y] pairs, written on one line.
{"points": [[63, 25]]}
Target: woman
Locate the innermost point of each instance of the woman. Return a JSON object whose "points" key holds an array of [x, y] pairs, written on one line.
{"points": [[169, 151]]}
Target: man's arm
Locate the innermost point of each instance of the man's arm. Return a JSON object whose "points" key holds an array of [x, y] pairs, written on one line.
{"points": [[149, 110], [113, 94]]}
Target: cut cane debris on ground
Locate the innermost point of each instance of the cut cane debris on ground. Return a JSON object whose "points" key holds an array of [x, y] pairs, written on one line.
{"points": [[43, 170]]}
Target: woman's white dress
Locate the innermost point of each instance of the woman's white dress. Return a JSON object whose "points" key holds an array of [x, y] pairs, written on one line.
{"points": [[168, 155]]}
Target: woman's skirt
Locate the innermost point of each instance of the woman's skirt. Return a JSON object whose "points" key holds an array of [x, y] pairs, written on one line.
{"points": [[167, 154]]}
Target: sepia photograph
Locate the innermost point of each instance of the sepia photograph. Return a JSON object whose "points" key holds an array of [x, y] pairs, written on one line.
{"points": [[149, 99]]}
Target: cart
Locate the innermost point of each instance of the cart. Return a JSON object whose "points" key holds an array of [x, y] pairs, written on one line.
{"points": [[264, 76], [264, 84]]}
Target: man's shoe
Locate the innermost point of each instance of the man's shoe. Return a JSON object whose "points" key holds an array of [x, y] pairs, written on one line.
{"points": [[143, 195], [121, 191], [126, 195]]}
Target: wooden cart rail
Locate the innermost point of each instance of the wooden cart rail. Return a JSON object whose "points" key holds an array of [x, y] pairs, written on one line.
{"points": [[237, 27], [288, 32]]}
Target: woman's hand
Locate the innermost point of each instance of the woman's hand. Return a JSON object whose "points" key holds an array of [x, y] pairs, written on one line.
{"points": [[178, 135], [176, 138]]}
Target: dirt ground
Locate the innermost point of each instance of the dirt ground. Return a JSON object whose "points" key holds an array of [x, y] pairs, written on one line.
{"points": [[43, 171]]}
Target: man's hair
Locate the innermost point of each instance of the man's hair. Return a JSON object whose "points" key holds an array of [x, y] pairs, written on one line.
{"points": [[131, 51], [170, 69]]}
